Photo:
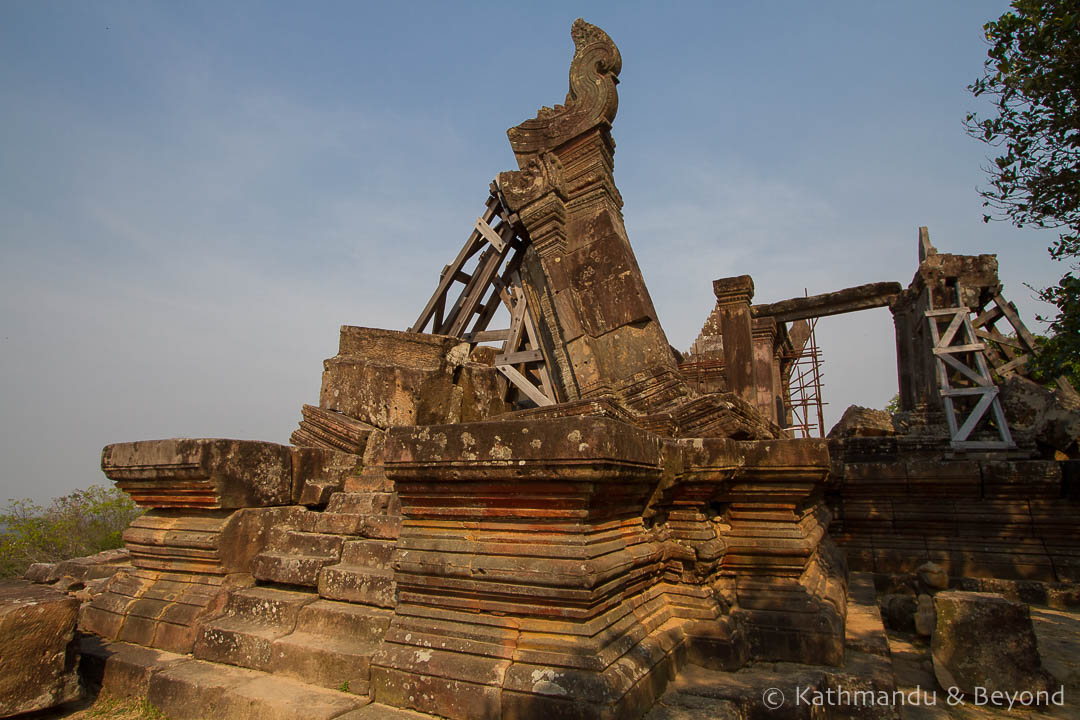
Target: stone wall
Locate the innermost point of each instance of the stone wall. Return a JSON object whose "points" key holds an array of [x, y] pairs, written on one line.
{"points": [[898, 505]]}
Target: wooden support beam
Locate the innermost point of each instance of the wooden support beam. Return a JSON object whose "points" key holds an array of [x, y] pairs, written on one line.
{"points": [[999, 338], [988, 317], [522, 356], [853, 299], [487, 336], [522, 383], [490, 235], [1014, 319], [1011, 366], [970, 347], [965, 370], [449, 274]]}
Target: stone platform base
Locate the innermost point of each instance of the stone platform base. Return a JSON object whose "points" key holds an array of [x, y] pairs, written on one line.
{"points": [[784, 690], [184, 688]]}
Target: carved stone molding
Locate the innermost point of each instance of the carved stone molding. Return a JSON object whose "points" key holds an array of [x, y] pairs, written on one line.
{"points": [[591, 101]]}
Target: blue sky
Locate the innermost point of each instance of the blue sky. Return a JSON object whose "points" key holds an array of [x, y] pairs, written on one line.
{"points": [[195, 195]]}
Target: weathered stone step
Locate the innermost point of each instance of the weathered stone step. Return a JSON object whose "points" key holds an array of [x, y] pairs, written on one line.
{"points": [[331, 646], [368, 553], [183, 688], [305, 542], [332, 662], [267, 604], [290, 569], [296, 556], [358, 584], [253, 619], [341, 619], [238, 641]]}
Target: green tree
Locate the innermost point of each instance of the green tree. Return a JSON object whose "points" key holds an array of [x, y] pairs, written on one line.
{"points": [[1032, 76], [1059, 354], [82, 523]]}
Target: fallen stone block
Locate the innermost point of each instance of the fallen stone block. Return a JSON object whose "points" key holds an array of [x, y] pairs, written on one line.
{"points": [[1052, 419], [898, 612], [985, 641], [863, 422], [38, 654], [933, 577]]}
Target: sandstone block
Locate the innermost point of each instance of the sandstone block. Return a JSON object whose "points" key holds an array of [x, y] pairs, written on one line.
{"points": [[898, 612], [37, 649], [351, 583], [201, 473], [933, 576], [863, 422], [253, 619], [385, 378], [194, 690], [983, 640], [925, 618], [318, 473], [121, 669], [1052, 419]]}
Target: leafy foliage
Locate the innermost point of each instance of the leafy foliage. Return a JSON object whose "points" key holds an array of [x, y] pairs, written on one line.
{"points": [[893, 406], [82, 523], [1059, 354], [1032, 74]]}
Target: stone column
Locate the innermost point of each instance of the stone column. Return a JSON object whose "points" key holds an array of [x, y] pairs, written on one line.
{"points": [[733, 296], [904, 363], [764, 339]]}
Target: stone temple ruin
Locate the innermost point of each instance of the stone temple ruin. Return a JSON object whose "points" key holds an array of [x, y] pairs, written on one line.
{"points": [[562, 517]]}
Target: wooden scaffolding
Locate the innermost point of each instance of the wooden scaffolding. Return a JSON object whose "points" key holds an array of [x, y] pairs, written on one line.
{"points": [[488, 271], [803, 375]]}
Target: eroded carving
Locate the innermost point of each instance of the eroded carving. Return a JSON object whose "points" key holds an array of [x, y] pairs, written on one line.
{"points": [[592, 99]]}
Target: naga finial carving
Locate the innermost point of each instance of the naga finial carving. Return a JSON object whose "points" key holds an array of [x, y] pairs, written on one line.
{"points": [[592, 99]]}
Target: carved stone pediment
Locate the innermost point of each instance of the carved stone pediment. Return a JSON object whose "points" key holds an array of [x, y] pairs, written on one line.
{"points": [[592, 99]]}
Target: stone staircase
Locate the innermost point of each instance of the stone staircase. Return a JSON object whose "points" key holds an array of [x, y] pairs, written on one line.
{"points": [[296, 556], [186, 688], [324, 598], [364, 574], [296, 634], [254, 619]]}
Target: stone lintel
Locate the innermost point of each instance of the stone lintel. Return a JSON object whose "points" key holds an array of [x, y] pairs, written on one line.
{"points": [[217, 474], [395, 347], [861, 297]]}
